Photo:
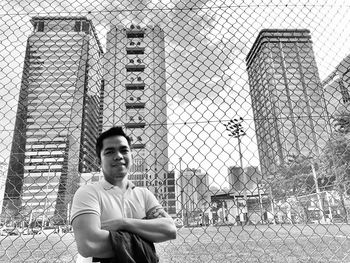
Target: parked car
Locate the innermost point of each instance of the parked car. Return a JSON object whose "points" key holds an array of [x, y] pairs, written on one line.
{"points": [[11, 231], [35, 231], [67, 229]]}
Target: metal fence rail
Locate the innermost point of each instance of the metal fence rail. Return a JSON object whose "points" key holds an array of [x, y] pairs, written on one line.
{"points": [[238, 113]]}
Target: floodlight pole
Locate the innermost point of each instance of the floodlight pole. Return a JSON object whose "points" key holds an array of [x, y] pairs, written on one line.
{"points": [[235, 129]]}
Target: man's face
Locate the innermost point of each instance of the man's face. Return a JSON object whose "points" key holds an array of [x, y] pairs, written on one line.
{"points": [[116, 158]]}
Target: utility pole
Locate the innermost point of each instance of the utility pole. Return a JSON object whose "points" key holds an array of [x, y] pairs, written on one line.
{"points": [[182, 194], [317, 191], [260, 203], [46, 197]]}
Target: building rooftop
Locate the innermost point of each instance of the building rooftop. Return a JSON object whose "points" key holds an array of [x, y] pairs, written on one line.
{"points": [[276, 35], [63, 18]]}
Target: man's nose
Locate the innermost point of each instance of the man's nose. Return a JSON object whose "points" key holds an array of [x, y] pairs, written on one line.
{"points": [[118, 156]]}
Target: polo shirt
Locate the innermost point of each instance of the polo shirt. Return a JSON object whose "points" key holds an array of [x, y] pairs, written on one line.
{"points": [[109, 202]]}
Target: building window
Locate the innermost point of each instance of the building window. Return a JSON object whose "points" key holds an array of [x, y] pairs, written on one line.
{"points": [[41, 26], [77, 26], [86, 27]]}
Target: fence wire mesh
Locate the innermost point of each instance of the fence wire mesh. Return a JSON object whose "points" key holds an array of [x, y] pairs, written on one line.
{"points": [[238, 113]]}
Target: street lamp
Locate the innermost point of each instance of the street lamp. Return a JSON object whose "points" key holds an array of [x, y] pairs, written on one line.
{"points": [[235, 129]]}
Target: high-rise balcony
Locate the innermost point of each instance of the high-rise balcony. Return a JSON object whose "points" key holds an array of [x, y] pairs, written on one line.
{"points": [[133, 125], [135, 68], [131, 50], [135, 86], [135, 105]]}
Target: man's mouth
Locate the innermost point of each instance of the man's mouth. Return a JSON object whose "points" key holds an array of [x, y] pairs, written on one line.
{"points": [[118, 164]]}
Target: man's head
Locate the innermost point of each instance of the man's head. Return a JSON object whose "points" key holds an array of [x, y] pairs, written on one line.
{"points": [[114, 153], [114, 131]]}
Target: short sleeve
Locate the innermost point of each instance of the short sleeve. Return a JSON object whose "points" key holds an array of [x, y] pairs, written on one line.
{"points": [[150, 200], [85, 201]]}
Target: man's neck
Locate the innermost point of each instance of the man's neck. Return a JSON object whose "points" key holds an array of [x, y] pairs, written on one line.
{"points": [[122, 184]]}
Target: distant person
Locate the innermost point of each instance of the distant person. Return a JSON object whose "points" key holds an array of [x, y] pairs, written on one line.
{"points": [[100, 211]]}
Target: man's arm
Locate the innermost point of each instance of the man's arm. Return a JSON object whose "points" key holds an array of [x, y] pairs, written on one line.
{"points": [[158, 226], [92, 241]]}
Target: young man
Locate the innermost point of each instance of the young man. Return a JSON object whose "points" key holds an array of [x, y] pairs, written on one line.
{"points": [[115, 203]]}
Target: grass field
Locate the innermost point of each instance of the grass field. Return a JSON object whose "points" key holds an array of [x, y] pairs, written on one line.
{"points": [[263, 243]]}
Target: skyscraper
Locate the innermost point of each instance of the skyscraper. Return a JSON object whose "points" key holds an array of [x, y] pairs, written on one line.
{"points": [[337, 88], [287, 98], [236, 180], [135, 97], [58, 115]]}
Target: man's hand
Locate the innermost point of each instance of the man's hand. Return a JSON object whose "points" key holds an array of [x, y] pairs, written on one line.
{"points": [[157, 212]]}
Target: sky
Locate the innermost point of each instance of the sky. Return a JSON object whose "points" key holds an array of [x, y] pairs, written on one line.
{"points": [[206, 44]]}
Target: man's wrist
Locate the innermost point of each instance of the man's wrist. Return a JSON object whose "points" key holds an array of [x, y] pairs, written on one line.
{"points": [[125, 224]]}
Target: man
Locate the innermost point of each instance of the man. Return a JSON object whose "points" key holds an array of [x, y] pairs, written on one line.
{"points": [[115, 203]]}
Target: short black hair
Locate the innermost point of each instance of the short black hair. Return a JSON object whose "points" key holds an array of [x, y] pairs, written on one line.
{"points": [[114, 131]]}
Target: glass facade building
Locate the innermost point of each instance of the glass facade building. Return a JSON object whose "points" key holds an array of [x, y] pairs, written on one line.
{"points": [[58, 117], [287, 97]]}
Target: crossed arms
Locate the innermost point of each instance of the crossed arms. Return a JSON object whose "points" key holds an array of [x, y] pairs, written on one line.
{"points": [[92, 238]]}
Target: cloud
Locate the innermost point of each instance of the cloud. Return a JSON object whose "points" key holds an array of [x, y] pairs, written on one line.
{"points": [[206, 45], [205, 40]]}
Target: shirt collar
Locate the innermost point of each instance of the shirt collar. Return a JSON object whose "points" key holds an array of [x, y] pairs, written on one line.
{"points": [[108, 186]]}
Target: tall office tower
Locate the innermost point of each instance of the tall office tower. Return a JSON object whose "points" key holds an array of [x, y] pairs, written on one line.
{"points": [[336, 88], [57, 120], [236, 180], [238, 184], [135, 97], [254, 177], [287, 97], [193, 192]]}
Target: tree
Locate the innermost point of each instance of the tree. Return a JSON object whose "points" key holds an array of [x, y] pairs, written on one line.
{"points": [[341, 119], [335, 159], [292, 179]]}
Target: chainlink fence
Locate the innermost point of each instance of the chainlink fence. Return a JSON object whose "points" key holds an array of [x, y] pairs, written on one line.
{"points": [[238, 113]]}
